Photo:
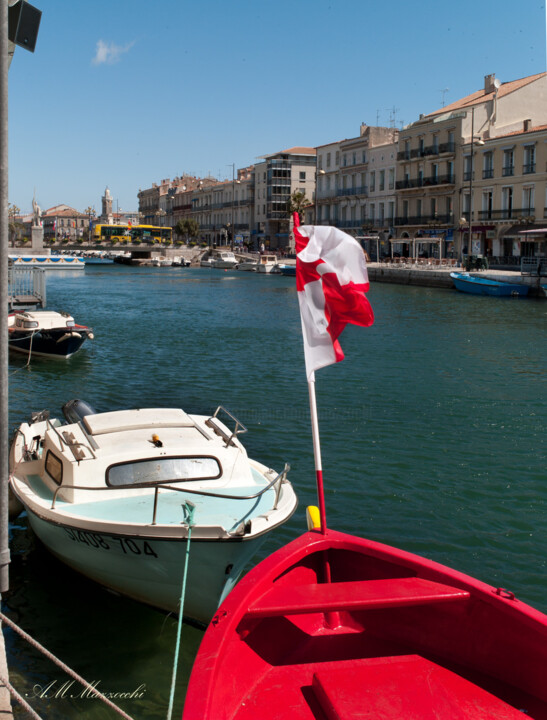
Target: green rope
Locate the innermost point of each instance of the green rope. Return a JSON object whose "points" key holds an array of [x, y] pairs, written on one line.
{"points": [[188, 509]]}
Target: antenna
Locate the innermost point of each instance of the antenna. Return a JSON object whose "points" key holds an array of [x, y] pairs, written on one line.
{"points": [[377, 117], [443, 93], [392, 115]]}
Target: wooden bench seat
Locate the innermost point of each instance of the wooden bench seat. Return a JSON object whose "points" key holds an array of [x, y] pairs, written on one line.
{"points": [[355, 595]]}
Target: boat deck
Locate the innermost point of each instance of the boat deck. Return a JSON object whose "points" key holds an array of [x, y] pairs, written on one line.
{"points": [[138, 509]]}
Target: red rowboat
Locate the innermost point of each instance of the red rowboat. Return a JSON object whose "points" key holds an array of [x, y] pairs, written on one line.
{"points": [[391, 636]]}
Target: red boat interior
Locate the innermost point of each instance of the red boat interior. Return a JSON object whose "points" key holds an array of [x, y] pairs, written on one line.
{"points": [[383, 640]]}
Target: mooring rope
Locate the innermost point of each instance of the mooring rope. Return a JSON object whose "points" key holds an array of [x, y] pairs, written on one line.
{"points": [[29, 354], [188, 509], [20, 699], [62, 665]]}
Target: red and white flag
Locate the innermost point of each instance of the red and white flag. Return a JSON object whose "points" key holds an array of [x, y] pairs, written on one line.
{"points": [[331, 280]]}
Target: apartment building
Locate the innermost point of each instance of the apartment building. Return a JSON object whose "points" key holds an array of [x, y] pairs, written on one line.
{"points": [[275, 180], [356, 183], [437, 190]]}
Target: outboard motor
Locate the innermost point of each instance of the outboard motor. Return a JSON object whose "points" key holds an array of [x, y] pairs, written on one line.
{"points": [[75, 410]]}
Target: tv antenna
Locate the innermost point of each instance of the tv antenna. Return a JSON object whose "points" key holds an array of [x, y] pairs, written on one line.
{"points": [[443, 93], [392, 115]]}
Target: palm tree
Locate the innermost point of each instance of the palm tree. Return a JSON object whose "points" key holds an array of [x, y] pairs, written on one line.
{"points": [[298, 202]]}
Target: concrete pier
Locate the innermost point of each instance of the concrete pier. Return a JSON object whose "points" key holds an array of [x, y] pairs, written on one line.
{"points": [[5, 697]]}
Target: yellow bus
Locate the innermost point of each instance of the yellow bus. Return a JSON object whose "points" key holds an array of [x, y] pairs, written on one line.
{"points": [[131, 233]]}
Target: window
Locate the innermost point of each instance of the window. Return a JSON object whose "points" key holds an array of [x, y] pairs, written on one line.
{"points": [[487, 204], [391, 178], [488, 165], [381, 215], [364, 156], [373, 181], [528, 205], [328, 160], [302, 176], [371, 211], [391, 210], [507, 202], [354, 158], [382, 182], [508, 162], [54, 468], [529, 159], [161, 470]]}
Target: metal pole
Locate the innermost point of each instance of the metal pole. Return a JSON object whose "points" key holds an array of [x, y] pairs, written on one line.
{"points": [[469, 253], [233, 204], [4, 232]]}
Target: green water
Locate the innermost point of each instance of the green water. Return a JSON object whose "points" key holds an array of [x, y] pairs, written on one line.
{"points": [[433, 436]]}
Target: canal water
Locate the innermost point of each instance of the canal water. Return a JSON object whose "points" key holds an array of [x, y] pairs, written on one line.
{"points": [[433, 434]]}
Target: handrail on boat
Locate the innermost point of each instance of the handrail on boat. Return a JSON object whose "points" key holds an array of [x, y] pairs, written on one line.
{"points": [[69, 445], [279, 479], [238, 429]]}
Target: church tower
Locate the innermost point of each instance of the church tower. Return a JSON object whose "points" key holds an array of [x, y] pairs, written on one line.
{"points": [[106, 215]]}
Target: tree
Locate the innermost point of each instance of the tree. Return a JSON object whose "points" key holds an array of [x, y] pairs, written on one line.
{"points": [[298, 202], [13, 212], [187, 227]]}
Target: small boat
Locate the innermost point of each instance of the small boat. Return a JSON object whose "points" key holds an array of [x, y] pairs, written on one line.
{"points": [[249, 265], [388, 635], [465, 282], [49, 262], [224, 260], [162, 261], [289, 270], [46, 333], [266, 263], [111, 495]]}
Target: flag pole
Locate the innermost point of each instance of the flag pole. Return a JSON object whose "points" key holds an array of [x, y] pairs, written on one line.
{"points": [[317, 455]]}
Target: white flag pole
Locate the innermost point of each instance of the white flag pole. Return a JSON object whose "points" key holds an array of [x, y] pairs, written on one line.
{"points": [[317, 454]]}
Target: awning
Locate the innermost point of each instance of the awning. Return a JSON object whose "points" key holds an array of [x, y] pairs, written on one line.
{"points": [[536, 231]]}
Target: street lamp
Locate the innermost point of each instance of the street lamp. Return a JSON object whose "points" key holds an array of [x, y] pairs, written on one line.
{"points": [[474, 140], [319, 172]]}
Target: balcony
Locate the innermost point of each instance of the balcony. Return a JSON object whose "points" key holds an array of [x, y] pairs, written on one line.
{"points": [[344, 192], [403, 155], [432, 221], [506, 214], [447, 147], [488, 174], [528, 168], [508, 170], [409, 184]]}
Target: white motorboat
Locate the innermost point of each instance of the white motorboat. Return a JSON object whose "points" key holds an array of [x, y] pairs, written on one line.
{"points": [[266, 263], [249, 265], [116, 496], [162, 261], [225, 259]]}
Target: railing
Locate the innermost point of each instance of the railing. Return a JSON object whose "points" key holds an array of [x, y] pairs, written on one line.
{"points": [[506, 214], [528, 168], [533, 266], [362, 190], [279, 479], [26, 286]]}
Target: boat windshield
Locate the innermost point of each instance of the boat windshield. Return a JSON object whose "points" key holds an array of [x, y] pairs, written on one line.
{"points": [[146, 472]]}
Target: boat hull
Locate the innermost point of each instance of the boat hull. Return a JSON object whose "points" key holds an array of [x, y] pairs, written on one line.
{"points": [[54, 343], [485, 286], [391, 633], [150, 569]]}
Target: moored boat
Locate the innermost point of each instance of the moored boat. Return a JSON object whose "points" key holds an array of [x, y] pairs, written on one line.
{"points": [[49, 262], [225, 260], [465, 282], [46, 333], [117, 495], [266, 263], [249, 265], [286, 269], [386, 635]]}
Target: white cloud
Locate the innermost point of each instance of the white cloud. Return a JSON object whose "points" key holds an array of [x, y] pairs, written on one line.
{"points": [[109, 53]]}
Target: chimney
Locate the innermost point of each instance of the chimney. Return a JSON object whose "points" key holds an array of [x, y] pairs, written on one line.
{"points": [[363, 129], [489, 85], [527, 125]]}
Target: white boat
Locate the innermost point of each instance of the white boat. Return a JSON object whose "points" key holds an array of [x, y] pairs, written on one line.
{"points": [[225, 259], [162, 262], [249, 265], [266, 263], [48, 262], [112, 495]]}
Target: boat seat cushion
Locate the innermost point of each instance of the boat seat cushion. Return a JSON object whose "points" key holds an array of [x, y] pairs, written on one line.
{"points": [[122, 420], [408, 687]]}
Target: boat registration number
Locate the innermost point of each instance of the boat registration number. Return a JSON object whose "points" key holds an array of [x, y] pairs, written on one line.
{"points": [[129, 546]]}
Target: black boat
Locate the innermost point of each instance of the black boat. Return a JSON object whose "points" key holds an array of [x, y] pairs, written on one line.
{"points": [[46, 333]]}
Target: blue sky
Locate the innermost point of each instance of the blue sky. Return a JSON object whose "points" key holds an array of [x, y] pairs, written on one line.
{"points": [[125, 93]]}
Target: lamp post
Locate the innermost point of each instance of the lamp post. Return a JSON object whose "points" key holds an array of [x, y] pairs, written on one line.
{"points": [[474, 140], [319, 172], [233, 166]]}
